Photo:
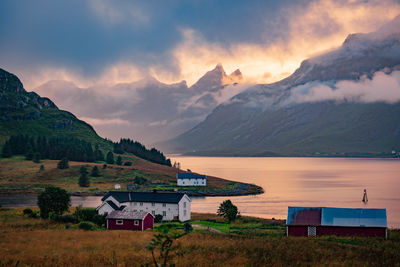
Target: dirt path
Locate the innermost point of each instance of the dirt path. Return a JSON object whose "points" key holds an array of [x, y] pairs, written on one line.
{"points": [[202, 227]]}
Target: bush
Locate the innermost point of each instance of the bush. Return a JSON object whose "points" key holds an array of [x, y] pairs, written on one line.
{"points": [[63, 164], [27, 211], [139, 180], [158, 218], [127, 163], [87, 226], [34, 214], [104, 166]]}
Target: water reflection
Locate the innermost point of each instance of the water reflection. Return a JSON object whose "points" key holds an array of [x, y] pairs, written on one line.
{"points": [[287, 182]]}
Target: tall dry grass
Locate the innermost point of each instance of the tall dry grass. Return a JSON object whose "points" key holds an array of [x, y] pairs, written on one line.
{"points": [[37, 242]]}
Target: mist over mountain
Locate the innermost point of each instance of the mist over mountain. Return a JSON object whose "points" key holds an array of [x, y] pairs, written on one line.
{"points": [[342, 101], [146, 110]]}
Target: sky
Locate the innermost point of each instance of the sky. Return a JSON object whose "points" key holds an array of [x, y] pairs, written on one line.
{"points": [[91, 42]]}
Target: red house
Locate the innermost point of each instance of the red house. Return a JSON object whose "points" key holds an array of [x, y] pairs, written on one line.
{"points": [[129, 220], [314, 221]]}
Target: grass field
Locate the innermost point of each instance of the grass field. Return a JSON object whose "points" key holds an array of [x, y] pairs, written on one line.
{"points": [[16, 173], [35, 242]]}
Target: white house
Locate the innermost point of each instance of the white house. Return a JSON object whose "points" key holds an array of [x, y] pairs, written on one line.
{"points": [[172, 206], [190, 179]]}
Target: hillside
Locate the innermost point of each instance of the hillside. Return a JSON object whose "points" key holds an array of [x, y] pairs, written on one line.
{"points": [[19, 175], [344, 102], [23, 112]]}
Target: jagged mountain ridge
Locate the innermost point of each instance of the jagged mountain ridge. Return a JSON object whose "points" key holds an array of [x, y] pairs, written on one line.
{"points": [[261, 119], [147, 110]]}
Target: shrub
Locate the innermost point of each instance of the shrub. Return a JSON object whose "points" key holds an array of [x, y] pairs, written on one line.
{"points": [[127, 163], [228, 210], [140, 180], [95, 172], [158, 218], [27, 211], [34, 214], [104, 166], [63, 164], [87, 226]]}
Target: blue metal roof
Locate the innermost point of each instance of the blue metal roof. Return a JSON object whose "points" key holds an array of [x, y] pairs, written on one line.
{"points": [[354, 217], [336, 217], [189, 175]]}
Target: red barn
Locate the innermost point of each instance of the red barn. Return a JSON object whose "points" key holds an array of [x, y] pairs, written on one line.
{"points": [[313, 221], [129, 220]]}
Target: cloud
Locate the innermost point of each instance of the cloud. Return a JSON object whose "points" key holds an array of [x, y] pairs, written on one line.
{"points": [[381, 88], [117, 12], [101, 122], [311, 29]]}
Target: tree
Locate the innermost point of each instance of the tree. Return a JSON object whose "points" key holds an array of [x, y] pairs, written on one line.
{"points": [[41, 168], [95, 172], [83, 179], [228, 210], [53, 199], [110, 158], [7, 151], [163, 242], [119, 160], [63, 164], [36, 157]]}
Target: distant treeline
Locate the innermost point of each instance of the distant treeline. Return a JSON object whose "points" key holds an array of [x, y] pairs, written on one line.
{"points": [[136, 148], [52, 148]]}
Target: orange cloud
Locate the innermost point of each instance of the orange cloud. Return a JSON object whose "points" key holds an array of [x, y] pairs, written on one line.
{"points": [[313, 29]]}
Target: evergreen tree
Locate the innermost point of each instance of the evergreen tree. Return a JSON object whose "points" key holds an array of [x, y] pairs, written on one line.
{"points": [[36, 157], [110, 158], [63, 164], [104, 166], [83, 179], [29, 155], [41, 168], [119, 160], [6, 152], [95, 172]]}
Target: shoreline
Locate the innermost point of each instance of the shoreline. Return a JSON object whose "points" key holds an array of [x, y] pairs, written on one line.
{"points": [[251, 190]]}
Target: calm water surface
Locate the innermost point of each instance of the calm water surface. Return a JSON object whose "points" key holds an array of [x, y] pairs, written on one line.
{"points": [[332, 182]]}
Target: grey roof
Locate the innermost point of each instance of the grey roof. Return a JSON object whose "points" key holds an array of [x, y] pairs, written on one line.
{"points": [[125, 196], [325, 216], [189, 175], [127, 215], [115, 207]]}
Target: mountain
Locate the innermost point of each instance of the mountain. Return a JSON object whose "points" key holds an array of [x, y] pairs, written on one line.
{"points": [[342, 102], [28, 113], [146, 110]]}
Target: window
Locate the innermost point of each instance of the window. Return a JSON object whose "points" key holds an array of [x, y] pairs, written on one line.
{"points": [[136, 222], [153, 204], [119, 222], [164, 213], [184, 212], [141, 203], [135, 210], [134, 204], [164, 205], [184, 204], [153, 212]]}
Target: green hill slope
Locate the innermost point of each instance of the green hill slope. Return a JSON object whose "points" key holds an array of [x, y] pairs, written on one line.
{"points": [[23, 112]]}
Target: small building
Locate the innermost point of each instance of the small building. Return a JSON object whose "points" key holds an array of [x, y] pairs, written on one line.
{"points": [[190, 179], [117, 186], [315, 221], [172, 206], [129, 220]]}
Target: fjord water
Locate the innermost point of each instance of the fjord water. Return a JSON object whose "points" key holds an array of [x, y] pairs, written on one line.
{"points": [[328, 182]]}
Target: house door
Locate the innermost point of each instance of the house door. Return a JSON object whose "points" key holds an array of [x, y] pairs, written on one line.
{"points": [[312, 230]]}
